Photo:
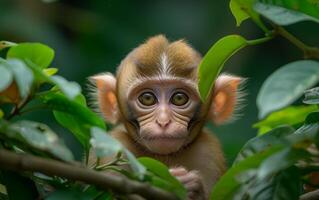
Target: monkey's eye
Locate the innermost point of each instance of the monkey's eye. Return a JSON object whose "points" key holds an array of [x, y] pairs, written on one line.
{"points": [[179, 99], [147, 99]]}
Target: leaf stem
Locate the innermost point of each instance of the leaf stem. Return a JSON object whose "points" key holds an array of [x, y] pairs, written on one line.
{"points": [[260, 40], [27, 110], [261, 25], [40, 94], [16, 110], [115, 162], [13, 112], [308, 51]]}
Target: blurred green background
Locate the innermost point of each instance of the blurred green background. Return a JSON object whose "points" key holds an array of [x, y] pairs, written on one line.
{"points": [[92, 36]]}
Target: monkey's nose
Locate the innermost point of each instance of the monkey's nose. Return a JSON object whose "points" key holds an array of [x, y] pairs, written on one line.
{"points": [[163, 123]]}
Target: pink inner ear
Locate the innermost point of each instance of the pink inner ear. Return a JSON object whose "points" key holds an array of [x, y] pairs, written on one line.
{"points": [[225, 98], [106, 97], [224, 106], [109, 107], [219, 102]]}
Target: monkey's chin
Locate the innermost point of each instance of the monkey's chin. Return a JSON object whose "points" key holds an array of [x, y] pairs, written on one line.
{"points": [[164, 146]]}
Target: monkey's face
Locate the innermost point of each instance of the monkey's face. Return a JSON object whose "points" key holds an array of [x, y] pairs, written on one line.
{"points": [[164, 110]]}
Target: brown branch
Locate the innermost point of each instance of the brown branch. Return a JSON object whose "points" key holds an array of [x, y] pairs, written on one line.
{"points": [[314, 195], [24, 162]]}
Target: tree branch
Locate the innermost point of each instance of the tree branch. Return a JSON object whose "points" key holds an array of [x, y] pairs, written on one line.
{"points": [[308, 51], [314, 195], [24, 162]]}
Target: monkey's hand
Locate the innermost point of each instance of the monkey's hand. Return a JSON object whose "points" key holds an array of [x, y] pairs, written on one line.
{"points": [[192, 181]]}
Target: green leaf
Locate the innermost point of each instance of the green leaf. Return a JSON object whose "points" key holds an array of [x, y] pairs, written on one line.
{"points": [[39, 74], [19, 187], [1, 114], [39, 54], [70, 122], [309, 7], [3, 196], [22, 75], [239, 14], [6, 77], [98, 194], [312, 118], [135, 164], [260, 143], [291, 115], [243, 9], [3, 189], [286, 85], [6, 44], [228, 185], [158, 168], [280, 161], [103, 144], [73, 115], [260, 176], [161, 170], [296, 149], [70, 89], [39, 136], [312, 96], [284, 185], [50, 71], [304, 136], [214, 60], [280, 15]]}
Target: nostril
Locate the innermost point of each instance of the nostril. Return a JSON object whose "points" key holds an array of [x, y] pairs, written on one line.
{"points": [[163, 124]]}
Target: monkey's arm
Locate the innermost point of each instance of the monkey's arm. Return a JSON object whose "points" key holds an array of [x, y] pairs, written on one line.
{"points": [[200, 166]]}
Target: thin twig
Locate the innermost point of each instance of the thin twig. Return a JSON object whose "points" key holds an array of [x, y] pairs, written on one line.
{"points": [[24, 162], [16, 110]]}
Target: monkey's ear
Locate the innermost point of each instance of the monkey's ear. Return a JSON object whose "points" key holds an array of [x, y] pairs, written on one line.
{"points": [[106, 96], [226, 96]]}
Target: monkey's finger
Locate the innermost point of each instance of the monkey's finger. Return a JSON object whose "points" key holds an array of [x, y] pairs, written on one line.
{"points": [[178, 171], [194, 187], [189, 177], [185, 179]]}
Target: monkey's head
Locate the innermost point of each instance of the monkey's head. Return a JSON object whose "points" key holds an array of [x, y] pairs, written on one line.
{"points": [[155, 95]]}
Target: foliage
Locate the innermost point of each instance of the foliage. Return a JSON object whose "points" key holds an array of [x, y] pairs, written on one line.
{"points": [[27, 84], [275, 164]]}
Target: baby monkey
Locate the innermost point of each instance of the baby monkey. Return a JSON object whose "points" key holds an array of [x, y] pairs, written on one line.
{"points": [[154, 100]]}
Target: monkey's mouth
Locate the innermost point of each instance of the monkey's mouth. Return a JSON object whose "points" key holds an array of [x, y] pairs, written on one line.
{"points": [[163, 144], [152, 138]]}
